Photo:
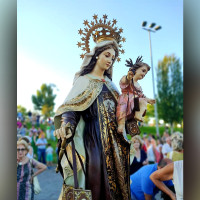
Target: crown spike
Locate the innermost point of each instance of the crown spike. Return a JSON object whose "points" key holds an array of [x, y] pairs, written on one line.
{"points": [[86, 29], [100, 21], [105, 17], [95, 17], [100, 30], [80, 44], [123, 39], [109, 23], [80, 31], [114, 22], [121, 30]]}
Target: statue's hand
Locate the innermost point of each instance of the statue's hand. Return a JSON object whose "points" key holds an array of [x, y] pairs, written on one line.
{"points": [[130, 75], [64, 131]]}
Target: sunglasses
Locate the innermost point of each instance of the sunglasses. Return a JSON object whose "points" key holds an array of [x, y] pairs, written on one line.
{"points": [[20, 150]]}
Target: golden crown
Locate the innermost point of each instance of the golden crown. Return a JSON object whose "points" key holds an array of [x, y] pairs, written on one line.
{"points": [[101, 30]]}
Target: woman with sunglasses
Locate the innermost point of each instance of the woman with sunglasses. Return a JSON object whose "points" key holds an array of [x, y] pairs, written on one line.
{"points": [[25, 172]]}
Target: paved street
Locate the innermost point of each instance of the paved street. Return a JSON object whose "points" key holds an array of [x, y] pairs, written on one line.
{"points": [[50, 183]]}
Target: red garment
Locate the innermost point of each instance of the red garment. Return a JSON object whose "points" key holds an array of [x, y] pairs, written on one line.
{"points": [[144, 148], [126, 99]]}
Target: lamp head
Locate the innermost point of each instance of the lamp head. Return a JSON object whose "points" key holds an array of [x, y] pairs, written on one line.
{"points": [[144, 23], [158, 28]]}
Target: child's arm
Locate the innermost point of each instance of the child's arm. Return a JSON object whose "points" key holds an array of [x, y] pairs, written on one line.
{"points": [[150, 101], [128, 78]]}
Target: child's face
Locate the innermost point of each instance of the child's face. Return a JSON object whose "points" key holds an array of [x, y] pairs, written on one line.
{"points": [[141, 72]]}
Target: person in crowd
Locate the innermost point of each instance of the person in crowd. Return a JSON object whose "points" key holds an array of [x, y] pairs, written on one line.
{"points": [[140, 157], [57, 155], [48, 131], [144, 142], [22, 130], [38, 120], [30, 152], [52, 129], [20, 116], [49, 155], [18, 136], [34, 119], [19, 123], [151, 155], [177, 146], [142, 187], [164, 136], [33, 142], [40, 132], [172, 171], [166, 148], [159, 148], [32, 130], [30, 116], [25, 172], [41, 148]]}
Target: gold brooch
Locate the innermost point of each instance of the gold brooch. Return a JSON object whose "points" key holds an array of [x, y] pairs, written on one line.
{"points": [[101, 30]]}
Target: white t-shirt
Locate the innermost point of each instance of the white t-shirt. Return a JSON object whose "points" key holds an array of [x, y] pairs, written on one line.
{"points": [[166, 149], [158, 147], [178, 179], [150, 154], [49, 150]]}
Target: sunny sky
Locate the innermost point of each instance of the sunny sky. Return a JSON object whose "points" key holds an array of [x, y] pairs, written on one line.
{"points": [[47, 34]]}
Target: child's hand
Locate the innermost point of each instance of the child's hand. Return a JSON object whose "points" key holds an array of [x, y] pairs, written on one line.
{"points": [[151, 101], [130, 75]]}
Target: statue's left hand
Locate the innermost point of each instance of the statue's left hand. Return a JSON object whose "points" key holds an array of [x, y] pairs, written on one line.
{"points": [[64, 131]]}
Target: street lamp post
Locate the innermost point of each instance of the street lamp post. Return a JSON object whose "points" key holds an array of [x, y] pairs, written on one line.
{"points": [[150, 29]]}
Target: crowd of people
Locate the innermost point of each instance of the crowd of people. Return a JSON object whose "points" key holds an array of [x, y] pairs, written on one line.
{"points": [[38, 138], [150, 156], [34, 152]]}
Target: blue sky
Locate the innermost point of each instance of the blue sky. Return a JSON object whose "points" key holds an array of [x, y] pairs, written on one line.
{"points": [[47, 34]]}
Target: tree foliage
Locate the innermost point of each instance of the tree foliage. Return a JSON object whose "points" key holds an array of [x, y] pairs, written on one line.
{"points": [[149, 113], [21, 109], [44, 100], [170, 90]]}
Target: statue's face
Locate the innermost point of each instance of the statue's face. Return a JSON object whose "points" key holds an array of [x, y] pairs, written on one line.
{"points": [[141, 72], [105, 59]]}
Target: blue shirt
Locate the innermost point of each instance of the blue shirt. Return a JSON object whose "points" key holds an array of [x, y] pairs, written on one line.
{"points": [[41, 141], [141, 183]]}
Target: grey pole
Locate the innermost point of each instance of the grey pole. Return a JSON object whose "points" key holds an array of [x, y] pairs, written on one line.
{"points": [[154, 95]]}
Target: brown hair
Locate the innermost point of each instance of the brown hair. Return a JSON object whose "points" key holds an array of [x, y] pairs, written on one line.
{"points": [[87, 69], [138, 63], [138, 138]]}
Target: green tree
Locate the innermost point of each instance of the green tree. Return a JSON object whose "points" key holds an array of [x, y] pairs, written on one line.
{"points": [[44, 100], [170, 90], [149, 113], [22, 110]]}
